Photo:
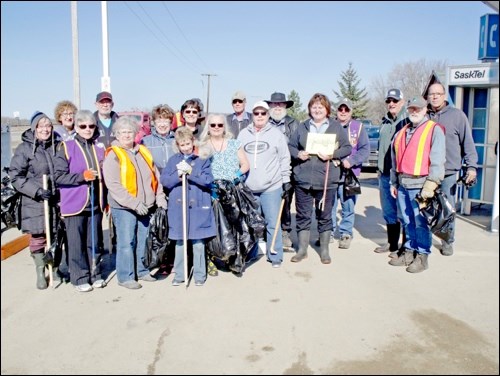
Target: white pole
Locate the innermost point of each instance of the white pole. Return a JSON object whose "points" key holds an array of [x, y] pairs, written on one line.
{"points": [[494, 214], [105, 79], [76, 64]]}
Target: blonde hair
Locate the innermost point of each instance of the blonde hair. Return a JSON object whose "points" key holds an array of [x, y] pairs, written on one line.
{"points": [[205, 148]]}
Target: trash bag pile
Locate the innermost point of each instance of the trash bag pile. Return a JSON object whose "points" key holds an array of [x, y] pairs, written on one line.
{"points": [[239, 224], [157, 241]]}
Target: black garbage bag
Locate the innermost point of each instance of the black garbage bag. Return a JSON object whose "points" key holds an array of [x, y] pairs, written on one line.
{"points": [[439, 214], [223, 245], [250, 209], [157, 241], [11, 204], [227, 197]]}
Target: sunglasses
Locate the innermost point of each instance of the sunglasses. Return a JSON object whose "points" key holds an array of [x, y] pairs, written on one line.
{"points": [[237, 101], [84, 126], [343, 109], [261, 113], [191, 112], [220, 125], [391, 100]]}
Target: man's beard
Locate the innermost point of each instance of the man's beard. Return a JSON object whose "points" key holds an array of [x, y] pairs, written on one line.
{"points": [[416, 118], [277, 114]]}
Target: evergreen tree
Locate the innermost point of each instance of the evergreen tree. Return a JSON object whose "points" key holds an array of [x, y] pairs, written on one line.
{"points": [[296, 110], [349, 88]]}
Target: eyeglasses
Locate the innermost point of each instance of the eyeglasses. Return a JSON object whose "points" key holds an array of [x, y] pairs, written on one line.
{"points": [[84, 126], [343, 109], [237, 101], [163, 122], [190, 112], [44, 126], [68, 114], [261, 113], [391, 100], [219, 125], [435, 94]]}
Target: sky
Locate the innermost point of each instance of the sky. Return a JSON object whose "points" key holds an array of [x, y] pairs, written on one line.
{"points": [[160, 52]]}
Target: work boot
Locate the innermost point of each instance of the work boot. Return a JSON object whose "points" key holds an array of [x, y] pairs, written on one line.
{"points": [[446, 249], [383, 248], [405, 258], [324, 241], [303, 237], [345, 241], [287, 242], [419, 264], [41, 282]]}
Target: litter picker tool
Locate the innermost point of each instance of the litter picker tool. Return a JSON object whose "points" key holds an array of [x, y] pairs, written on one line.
{"points": [[278, 223], [322, 201]]}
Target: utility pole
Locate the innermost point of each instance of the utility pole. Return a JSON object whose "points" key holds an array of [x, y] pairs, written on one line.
{"points": [[105, 79], [76, 65], [208, 89]]}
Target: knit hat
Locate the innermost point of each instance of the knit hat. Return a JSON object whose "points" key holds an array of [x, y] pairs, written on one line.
{"points": [[37, 116]]}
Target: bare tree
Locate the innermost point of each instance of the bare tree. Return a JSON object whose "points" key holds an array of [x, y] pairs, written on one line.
{"points": [[410, 77]]}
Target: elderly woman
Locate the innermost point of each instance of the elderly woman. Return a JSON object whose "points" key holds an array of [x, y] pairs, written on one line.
{"points": [[33, 158], [132, 180], [64, 113], [82, 205], [316, 177]]}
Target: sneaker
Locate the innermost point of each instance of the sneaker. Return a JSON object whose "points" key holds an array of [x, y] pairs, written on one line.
{"points": [[148, 278], [176, 283], [131, 284], [345, 241], [99, 284], [212, 269], [199, 283], [84, 288], [276, 265], [383, 248]]}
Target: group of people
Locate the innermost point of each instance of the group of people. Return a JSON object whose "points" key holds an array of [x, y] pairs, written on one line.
{"points": [[95, 166]]}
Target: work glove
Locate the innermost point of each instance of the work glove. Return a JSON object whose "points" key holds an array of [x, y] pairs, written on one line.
{"points": [[286, 188], [183, 168], [428, 189], [213, 190], [141, 209], [470, 177], [43, 194], [240, 178], [89, 175]]}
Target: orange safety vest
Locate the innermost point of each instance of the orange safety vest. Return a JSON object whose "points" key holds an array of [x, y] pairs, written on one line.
{"points": [[414, 158], [128, 175]]}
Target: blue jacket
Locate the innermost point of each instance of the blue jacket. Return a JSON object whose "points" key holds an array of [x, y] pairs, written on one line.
{"points": [[200, 215], [161, 147]]}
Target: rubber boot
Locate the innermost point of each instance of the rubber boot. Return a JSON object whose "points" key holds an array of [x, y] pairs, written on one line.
{"points": [[303, 237], [324, 243], [41, 282]]}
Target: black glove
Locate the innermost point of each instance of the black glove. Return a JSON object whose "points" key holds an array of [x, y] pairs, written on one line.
{"points": [[286, 188], [43, 194]]}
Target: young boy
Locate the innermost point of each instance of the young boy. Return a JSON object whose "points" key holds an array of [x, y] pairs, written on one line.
{"points": [[200, 217]]}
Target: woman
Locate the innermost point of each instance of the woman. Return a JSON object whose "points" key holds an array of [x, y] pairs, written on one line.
{"points": [[64, 113], [315, 173], [229, 161], [82, 205], [161, 140], [132, 180], [267, 150], [33, 158], [190, 112]]}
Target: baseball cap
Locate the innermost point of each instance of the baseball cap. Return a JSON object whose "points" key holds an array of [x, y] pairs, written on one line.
{"points": [[239, 95], [418, 102], [346, 102], [103, 95], [260, 104], [394, 93]]}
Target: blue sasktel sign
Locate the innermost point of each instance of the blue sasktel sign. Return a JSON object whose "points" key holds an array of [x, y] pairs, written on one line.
{"points": [[488, 37]]}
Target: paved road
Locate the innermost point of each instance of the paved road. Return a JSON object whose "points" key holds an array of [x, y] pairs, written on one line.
{"points": [[358, 315]]}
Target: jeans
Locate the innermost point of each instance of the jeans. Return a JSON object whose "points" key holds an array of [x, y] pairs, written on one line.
{"points": [[418, 233], [270, 203], [347, 214], [387, 202], [449, 187], [131, 235], [199, 265]]}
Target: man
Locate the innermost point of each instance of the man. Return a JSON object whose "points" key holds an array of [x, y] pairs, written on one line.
{"points": [[105, 117], [418, 156], [239, 119], [360, 152], [392, 122], [460, 148], [287, 125]]}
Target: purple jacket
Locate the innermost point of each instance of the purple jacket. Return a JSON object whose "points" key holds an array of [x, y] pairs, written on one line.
{"points": [[74, 199]]}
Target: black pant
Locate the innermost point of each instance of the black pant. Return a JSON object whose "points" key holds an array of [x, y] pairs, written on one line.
{"points": [[304, 200]]}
